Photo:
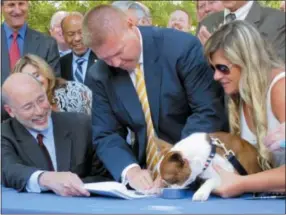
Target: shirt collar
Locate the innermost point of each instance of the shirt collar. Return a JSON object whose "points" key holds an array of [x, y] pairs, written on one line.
{"points": [[9, 31], [85, 56], [241, 12], [141, 45], [45, 132]]}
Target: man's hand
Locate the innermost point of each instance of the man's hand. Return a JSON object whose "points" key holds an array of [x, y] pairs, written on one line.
{"points": [[139, 179], [230, 183], [63, 183], [204, 35], [274, 139]]}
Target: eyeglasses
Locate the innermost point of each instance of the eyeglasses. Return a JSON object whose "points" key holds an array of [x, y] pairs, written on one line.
{"points": [[224, 69]]}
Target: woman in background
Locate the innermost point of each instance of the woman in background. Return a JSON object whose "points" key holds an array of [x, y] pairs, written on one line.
{"points": [[253, 78], [64, 96]]}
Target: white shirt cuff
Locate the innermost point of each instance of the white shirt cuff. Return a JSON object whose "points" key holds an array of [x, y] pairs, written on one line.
{"points": [[33, 185], [124, 172]]}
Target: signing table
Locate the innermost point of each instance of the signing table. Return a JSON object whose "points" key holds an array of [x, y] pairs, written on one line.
{"points": [[31, 203]]}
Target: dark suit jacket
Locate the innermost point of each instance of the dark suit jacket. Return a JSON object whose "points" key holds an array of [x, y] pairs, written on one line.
{"points": [[21, 155], [182, 95], [269, 22], [34, 43], [67, 69]]}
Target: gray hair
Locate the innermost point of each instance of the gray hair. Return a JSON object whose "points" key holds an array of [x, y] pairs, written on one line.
{"points": [[57, 18], [141, 10], [5, 95]]}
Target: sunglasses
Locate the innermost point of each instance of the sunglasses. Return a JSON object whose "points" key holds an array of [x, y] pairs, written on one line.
{"points": [[224, 69]]}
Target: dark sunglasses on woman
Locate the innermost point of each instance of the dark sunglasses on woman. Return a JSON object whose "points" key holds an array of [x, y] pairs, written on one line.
{"points": [[224, 69]]}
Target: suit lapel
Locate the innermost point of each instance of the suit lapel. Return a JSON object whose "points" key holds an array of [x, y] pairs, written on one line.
{"points": [[127, 95], [63, 143], [31, 42], [91, 59], [5, 60], [69, 67], [213, 24], [30, 146], [254, 14], [152, 73]]}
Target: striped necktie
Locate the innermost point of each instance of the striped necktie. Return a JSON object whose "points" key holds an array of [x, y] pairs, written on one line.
{"points": [[152, 156], [78, 72]]}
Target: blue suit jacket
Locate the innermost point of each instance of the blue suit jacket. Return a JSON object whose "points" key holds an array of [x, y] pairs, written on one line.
{"points": [[182, 95]]}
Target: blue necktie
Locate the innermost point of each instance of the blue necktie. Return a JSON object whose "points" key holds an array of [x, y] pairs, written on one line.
{"points": [[78, 72]]}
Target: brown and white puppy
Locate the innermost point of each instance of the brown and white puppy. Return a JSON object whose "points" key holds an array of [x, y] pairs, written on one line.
{"points": [[182, 163]]}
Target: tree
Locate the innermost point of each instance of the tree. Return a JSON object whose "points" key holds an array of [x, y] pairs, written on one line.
{"points": [[41, 11]]}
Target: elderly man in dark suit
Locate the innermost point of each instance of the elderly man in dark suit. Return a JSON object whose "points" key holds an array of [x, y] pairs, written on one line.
{"points": [[270, 22], [75, 65], [42, 150], [155, 82], [18, 39]]}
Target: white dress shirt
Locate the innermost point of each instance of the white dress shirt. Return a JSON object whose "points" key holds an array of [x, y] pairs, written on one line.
{"points": [[240, 13], [133, 79]]}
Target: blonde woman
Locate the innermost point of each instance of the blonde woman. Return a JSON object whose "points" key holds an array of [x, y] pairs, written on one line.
{"points": [[64, 96], [253, 78]]}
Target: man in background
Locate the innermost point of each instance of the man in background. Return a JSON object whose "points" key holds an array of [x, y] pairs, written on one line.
{"points": [[18, 39], [75, 65], [180, 20], [204, 8], [137, 12], [269, 22], [57, 33]]}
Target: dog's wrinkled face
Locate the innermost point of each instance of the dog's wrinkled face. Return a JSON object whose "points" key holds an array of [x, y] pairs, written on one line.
{"points": [[174, 169]]}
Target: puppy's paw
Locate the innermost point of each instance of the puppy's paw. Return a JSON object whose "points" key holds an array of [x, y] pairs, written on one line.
{"points": [[200, 195]]}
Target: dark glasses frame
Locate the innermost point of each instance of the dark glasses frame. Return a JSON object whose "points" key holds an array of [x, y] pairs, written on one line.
{"points": [[223, 68]]}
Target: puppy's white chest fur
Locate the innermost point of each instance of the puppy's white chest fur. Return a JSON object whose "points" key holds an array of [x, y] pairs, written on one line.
{"points": [[196, 149]]}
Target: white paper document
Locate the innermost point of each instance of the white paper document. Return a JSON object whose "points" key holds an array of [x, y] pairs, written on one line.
{"points": [[114, 189]]}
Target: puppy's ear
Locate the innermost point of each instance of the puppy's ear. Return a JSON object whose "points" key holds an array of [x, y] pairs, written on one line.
{"points": [[163, 146]]}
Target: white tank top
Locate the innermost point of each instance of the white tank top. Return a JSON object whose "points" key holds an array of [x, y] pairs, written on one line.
{"points": [[272, 122]]}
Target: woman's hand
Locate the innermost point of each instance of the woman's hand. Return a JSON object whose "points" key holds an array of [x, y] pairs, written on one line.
{"points": [[231, 183], [275, 139]]}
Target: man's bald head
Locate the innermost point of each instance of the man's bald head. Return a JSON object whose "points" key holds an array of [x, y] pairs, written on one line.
{"points": [[16, 83], [26, 101], [72, 31], [101, 22]]}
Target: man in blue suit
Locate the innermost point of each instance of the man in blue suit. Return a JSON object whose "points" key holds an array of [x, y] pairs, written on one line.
{"points": [[182, 95]]}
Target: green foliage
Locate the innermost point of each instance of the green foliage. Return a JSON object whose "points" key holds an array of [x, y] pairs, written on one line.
{"points": [[41, 11]]}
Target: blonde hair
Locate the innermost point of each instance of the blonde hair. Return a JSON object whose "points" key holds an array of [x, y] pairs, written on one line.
{"points": [[44, 69], [243, 46]]}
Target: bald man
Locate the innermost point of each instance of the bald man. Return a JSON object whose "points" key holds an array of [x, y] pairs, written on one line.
{"points": [[180, 20], [43, 150], [146, 76], [75, 65]]}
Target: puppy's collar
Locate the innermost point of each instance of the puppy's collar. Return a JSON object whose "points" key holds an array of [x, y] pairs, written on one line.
{"points": [[211, 156]]}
